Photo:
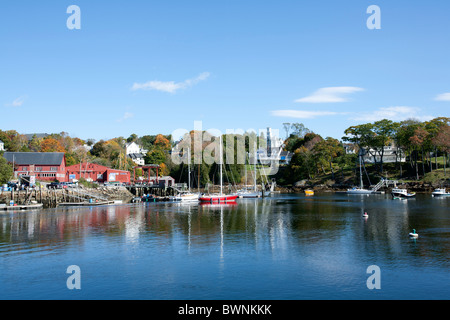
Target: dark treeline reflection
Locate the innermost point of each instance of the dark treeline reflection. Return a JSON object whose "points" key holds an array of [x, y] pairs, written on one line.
{"points": [[284, 223]]}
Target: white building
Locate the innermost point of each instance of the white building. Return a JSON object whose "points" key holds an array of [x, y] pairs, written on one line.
{"points": [[133, 147], [273, 151], [2, 146], [391, 154], [136, 153]]}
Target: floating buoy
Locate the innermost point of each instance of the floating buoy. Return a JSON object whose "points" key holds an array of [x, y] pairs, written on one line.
{"points": [[365, 215], [413, 234]]}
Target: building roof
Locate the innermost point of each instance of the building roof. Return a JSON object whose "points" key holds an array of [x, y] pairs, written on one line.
{"points": [[35, 158], [135, 155], [38, 135]]}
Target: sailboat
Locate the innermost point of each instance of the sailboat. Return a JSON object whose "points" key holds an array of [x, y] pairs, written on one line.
{"points": [[187, 196], [220, 197], [245, 193], [361, 189]]}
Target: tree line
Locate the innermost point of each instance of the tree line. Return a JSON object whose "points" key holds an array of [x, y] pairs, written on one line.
{"points": [[426, 146], [422, 143]]}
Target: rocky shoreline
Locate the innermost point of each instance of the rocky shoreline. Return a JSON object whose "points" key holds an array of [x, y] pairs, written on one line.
{"points": [[418, 187]]}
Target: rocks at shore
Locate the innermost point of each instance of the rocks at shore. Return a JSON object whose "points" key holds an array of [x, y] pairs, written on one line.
{"points": [[111, 193], [301, 186]]}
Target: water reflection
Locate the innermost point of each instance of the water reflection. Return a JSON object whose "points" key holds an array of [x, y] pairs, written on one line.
{"points": [[275, 223], [294, 240]]}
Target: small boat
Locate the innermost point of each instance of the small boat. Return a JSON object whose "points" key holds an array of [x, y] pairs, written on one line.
{"points": [[402, 193], [309, 192], [413, 234], [219, 197], [249, 194], [441, 192], [360, 190], [150, 198], [185, 197]]}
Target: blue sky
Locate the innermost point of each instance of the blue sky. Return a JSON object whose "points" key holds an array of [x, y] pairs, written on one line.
{"points": [[149, 67]]}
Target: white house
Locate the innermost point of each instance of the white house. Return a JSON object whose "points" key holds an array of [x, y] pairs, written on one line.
{"points": [[133, 147], [391, 154], [2, 146], [137, 158], [136, 153]]}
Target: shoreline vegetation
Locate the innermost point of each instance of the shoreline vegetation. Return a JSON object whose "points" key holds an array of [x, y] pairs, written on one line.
{"points": [[421, 155]]}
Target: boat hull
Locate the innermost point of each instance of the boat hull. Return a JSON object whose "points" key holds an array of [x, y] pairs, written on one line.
{"points": [[250, 195], [185, 198], [359, 191], [402, 195], [218, 198]]}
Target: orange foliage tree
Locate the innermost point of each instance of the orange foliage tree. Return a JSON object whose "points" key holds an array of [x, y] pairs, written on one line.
{"points": [[51, 145]]}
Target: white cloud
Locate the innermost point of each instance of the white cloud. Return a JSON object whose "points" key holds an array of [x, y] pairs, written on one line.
{"points": [[397, 113], [127, 115], [17, 102], [443, 97], [329, 95], [170, 86], [302, 114]]}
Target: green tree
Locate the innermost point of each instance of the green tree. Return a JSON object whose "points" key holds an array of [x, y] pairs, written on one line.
{"points": [[327, 150], [6, 171]]}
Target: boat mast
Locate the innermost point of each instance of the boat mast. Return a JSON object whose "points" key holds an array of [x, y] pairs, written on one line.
{"points": [[360, 170], [189, 168], [220, 162], [254, 168]]}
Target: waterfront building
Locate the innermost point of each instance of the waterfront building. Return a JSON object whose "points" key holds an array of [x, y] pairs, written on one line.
{"points": [[47, 166], [96, 173]]}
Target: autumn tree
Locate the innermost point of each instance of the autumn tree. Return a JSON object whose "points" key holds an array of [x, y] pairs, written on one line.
{"points": [[442, 141], [328, 150], [51, 145], [417, 140]]}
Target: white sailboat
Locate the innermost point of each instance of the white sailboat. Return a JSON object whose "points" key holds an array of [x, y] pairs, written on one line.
{"points": [[245, 193], [360, 190], [187, 196]]}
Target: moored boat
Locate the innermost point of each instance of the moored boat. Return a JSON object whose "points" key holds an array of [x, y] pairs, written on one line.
{"points": [[309, 192], [360, 190], [185, 197], [402, 193], [220, 197], [440, 192]]}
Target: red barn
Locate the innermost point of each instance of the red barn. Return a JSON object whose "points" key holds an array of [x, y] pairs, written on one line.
{"points": [[47, 166], [96, 172]]}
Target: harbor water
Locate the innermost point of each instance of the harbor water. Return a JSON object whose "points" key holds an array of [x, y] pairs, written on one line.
{"points": [[283, 247]]}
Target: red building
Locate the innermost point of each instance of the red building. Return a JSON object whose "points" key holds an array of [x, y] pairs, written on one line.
{"points": [[96, 172], [47, 166]]}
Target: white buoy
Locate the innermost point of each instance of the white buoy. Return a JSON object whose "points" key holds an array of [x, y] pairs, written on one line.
{"points": [[365, 215], [413, 234]]}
